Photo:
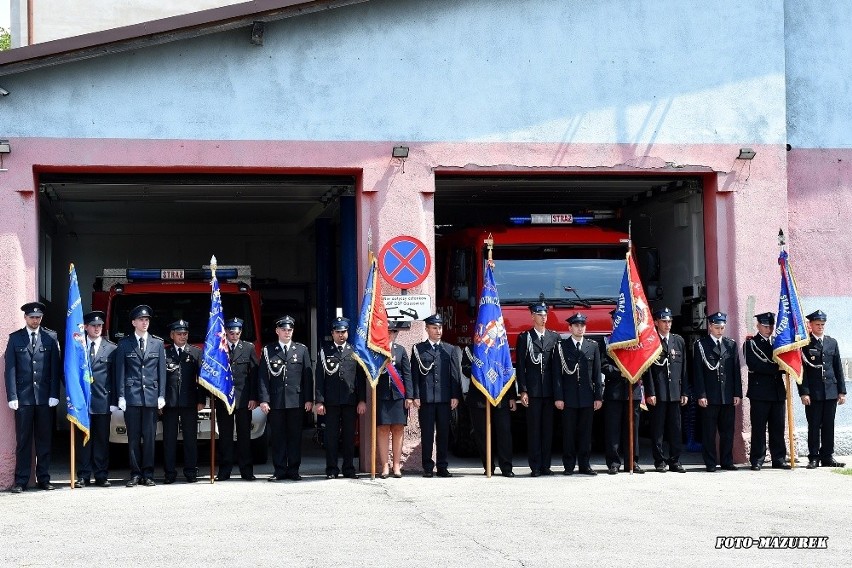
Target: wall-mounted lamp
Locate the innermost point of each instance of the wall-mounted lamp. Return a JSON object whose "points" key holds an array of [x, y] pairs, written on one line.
{"points": [[5, 147], [257, 33], [746, 154], [400, 152], [3, 92]]}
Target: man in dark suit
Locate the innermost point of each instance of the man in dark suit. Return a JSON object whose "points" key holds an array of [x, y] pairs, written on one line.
{"points": [[184, 400], [823, 388], [244, 368], [140, 383], [341, 392], [33, 372], [94, 456], [436, 375], [718, 389], [501, 422], [534, 356], [767, 396], [286, 393], [617, 394], [577, 392], [666, 390]]}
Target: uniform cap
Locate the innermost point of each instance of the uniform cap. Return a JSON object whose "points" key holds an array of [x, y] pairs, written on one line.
{"points": [[33, 309], [663, 314], [538, 308], [718, 317], [285, 322], [179, 325], [818, 315], [394, 325], [434, 319], [767, 318], [576, 318], [340, 324], [94, 318], [141, 311], [233, 323]]}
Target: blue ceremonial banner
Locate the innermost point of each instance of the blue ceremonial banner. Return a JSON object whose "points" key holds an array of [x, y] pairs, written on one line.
{"points": [[491, 369], [791, 334], [78, 371], [371, 341], [215, 374]]}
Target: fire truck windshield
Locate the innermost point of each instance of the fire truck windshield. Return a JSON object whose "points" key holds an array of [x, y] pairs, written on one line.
{"points": [[561, 274], [192, 307]]}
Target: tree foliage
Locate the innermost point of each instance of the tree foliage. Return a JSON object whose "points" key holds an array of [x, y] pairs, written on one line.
{"points": [[5, 39]]}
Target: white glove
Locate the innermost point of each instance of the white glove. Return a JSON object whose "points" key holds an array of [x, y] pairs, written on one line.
{"points": [[113, 408], [161, 402], [52, 401], [13, 404], [122, 404]]}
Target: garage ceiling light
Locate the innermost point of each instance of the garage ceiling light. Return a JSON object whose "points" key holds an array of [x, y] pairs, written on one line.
{"points": [[400, 152], [746, 154], [5, 147]]}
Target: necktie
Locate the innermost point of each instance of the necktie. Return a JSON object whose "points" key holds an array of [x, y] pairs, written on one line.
{"points": [[434, 347], [32, 335], [577, 344], [340, 349], [665, 342], [142, 345], [91, 350], [179, 352]]}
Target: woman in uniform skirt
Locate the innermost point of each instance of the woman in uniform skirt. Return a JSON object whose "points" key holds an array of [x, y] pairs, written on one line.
{"points": [[394, 395]]}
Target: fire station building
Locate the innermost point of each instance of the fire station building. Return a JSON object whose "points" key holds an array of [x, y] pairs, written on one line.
{"points": [[295, 136]]}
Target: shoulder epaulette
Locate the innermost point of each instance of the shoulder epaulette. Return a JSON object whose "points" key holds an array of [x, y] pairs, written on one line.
{"points": [[156, 336]]}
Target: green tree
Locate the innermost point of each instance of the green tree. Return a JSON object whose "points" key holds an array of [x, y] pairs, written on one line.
{"points": [[5, 39]]}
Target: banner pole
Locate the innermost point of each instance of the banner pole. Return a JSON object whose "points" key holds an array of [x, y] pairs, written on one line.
{"points": [[630, 424], [373, 435], [73, 460], [790, 426], [212, 441]]}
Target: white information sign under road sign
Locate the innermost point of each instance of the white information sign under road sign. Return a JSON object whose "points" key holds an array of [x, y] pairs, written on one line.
{"points": [[409, 307]]}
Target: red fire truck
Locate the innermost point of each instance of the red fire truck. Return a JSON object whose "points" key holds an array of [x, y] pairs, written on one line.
{"points": [[175, 294], [567, 265]]}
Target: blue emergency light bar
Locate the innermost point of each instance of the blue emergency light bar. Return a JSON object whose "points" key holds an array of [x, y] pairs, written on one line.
{"points": [[156, 274]]}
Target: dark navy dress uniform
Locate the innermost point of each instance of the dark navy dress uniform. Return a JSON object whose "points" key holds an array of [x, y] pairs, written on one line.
{"points": [[436, 376], [823, 382], [577, 383], [716, 370], [140, 379], [183, 395], [501, 422], [340, 386], [534, 359], [767, 396], [286, 384], [391, 402], [667, 380], [93, 458], [617, 394], [33, 373], [244, 370]]}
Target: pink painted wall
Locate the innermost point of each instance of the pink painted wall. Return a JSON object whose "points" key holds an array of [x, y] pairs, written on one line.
{"points": [[745, 202]]}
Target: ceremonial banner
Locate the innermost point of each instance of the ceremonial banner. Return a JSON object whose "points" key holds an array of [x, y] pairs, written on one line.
{"points": [[371, 341], [215, 374], [491, 365], [78, 370], [791, 333], [634, 344]]}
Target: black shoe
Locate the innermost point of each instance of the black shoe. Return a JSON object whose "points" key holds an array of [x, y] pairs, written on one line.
{"points": [[812, 464], [428, 474], [833, 463], [730, 467], [547, 471], [45, 486], [17, 489], [79, 484], [248, 477], [508, 474], [781, 465], [660, 467], [294, 477], [275, 478], [134, 481], [147, 482], [710, 468], [588, 471], [191, 478], [384, 475], [169, 480], [223, 477], [444, 473], [103, 483], [676, 467], [350, 475], [612, 470], [637, 469], [755, 467], [568, 472], [535, 473]]}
